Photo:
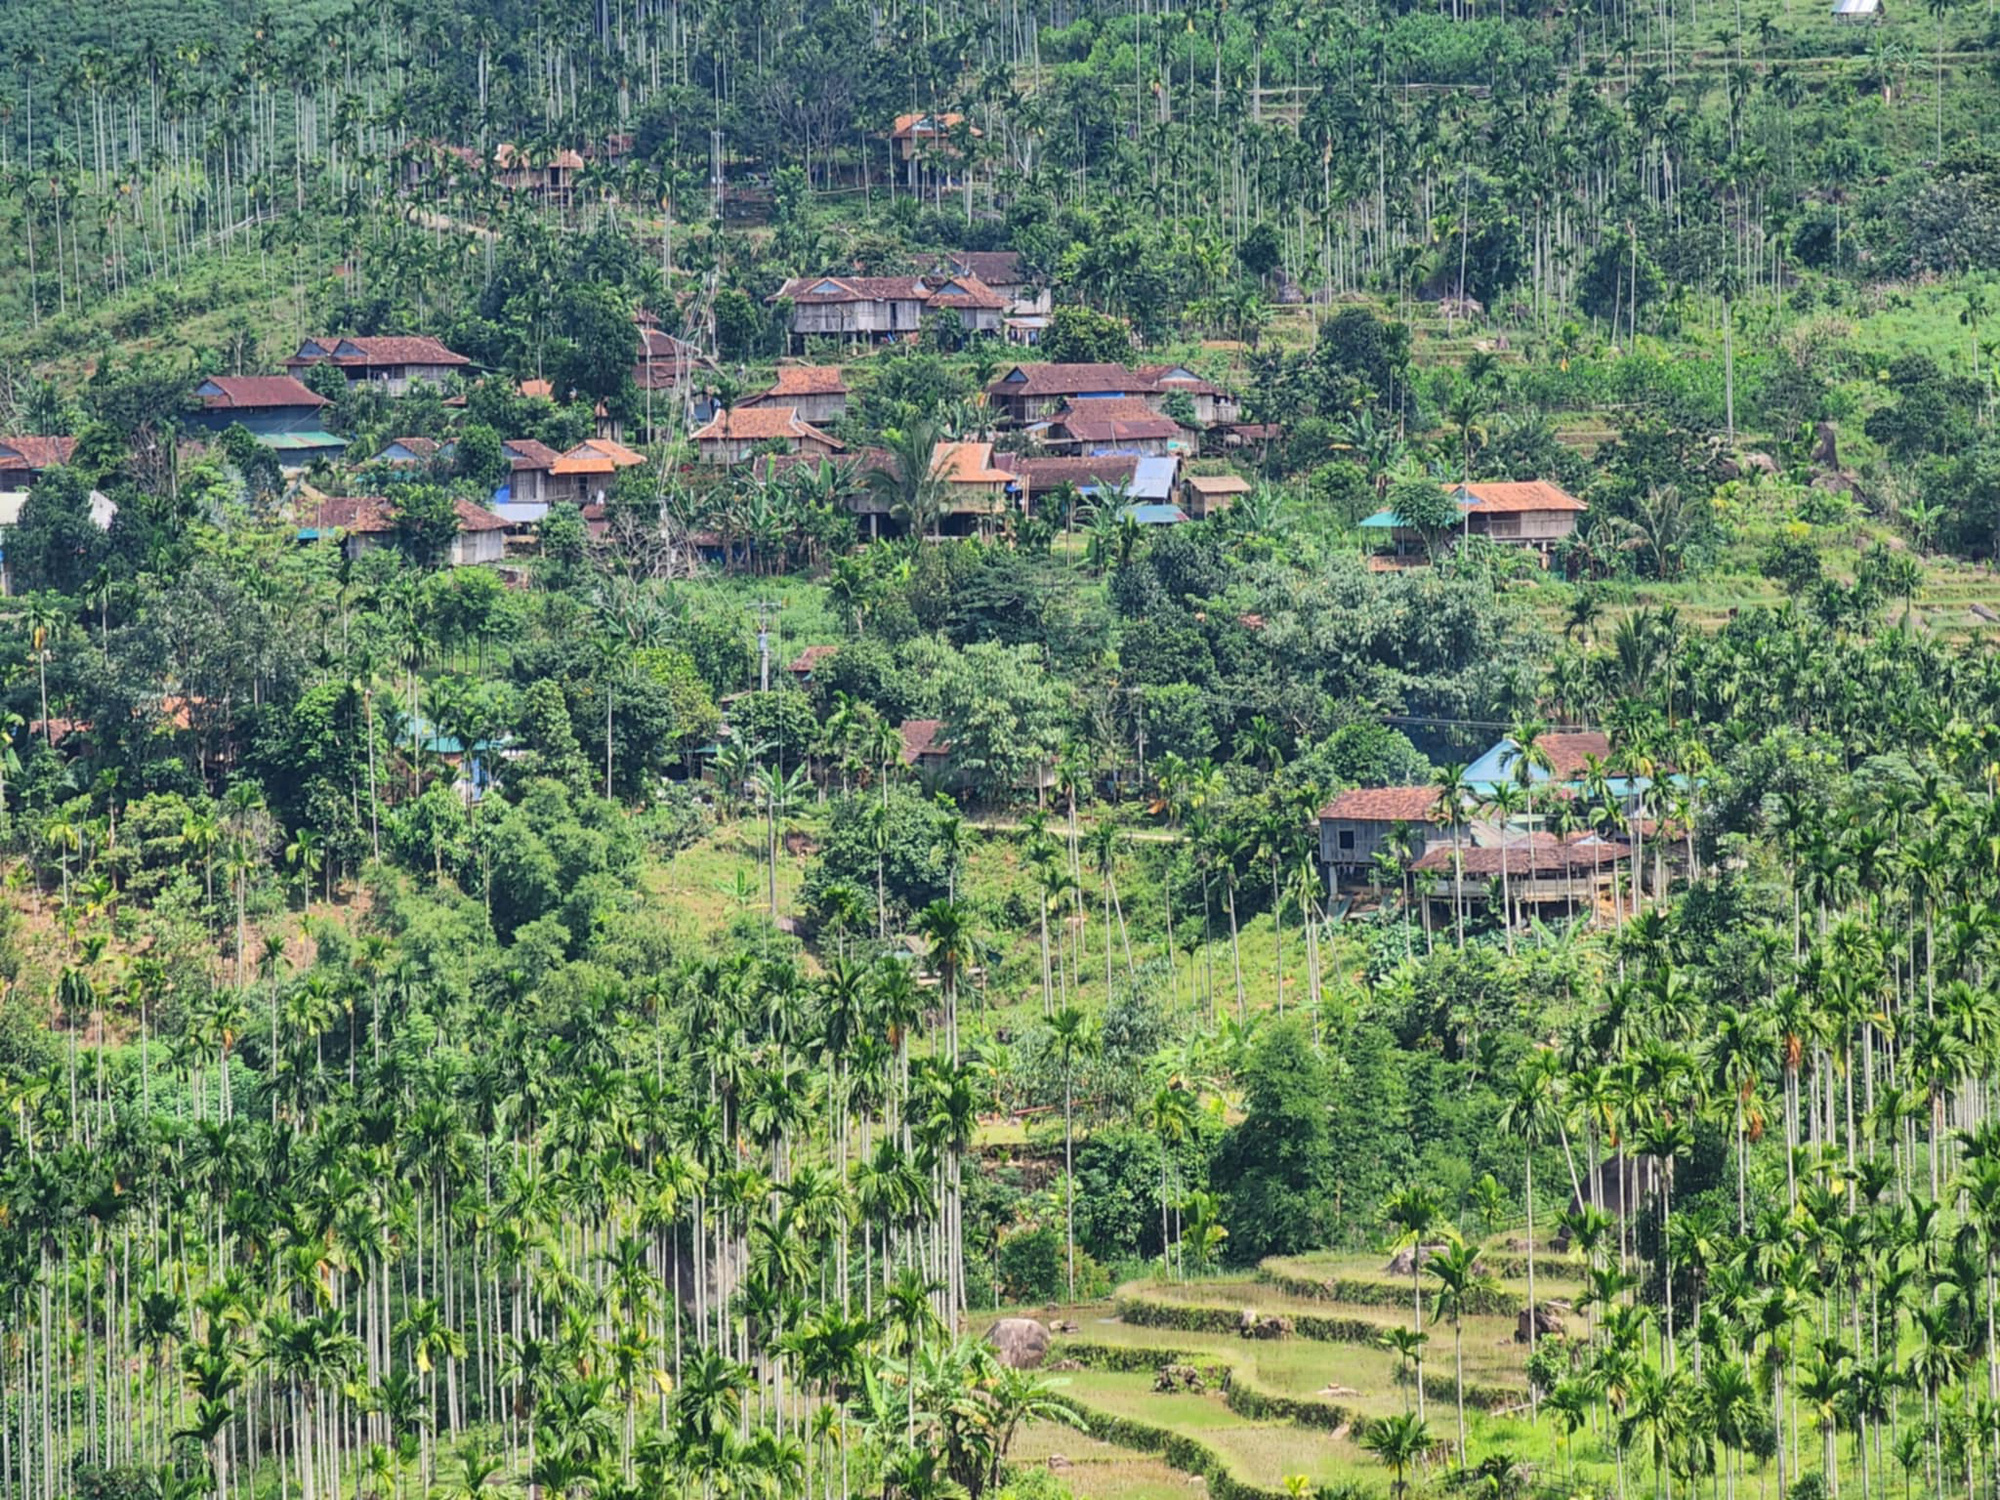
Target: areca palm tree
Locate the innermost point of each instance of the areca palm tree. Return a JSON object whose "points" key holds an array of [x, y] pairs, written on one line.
{"points": [[1531, 1116], [1398, 1442], [1071, 1032], [1415, 1215], [1462, 1284], [1448, 812]]}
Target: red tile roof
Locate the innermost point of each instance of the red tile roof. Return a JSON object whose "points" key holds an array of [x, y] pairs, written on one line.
{"points": [[662, 345], [1070, 380], [994, 267], [1114, 419], [412, 349], [526, 453], [757, 424], [1567, 750], [374, 514], [967, 463], [969, 292], [807, 380], [1193, 384], [811, 657], [477, 517], [243, 392], [920, 738], [1383, 804], [1513, 498], [36, 452], [908, 126], [955, 291], [1040, 475], [597, 456]]}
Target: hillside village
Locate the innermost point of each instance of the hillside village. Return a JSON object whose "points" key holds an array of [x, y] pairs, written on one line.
{"points": [[999, 752]]}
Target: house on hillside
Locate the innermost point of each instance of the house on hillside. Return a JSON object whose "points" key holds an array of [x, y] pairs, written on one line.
{"points": [[531, 470], [802, 666], [816, 392], [1120, 425], [1027, 394], [1033, 393], [280, 411], [1205, 495], [1531, 513], [924, 748], [23, 460], [394, 363], [585, 474], [738, 434], [1537, 871], [1212, 404], [12, 502], [882, 309], [927, 136], [1570, 754], [1002, 271], [976, 489], [1042, 481], [674, 368], [362, 522], [1356, 826], [552, 178], [414, 453]]}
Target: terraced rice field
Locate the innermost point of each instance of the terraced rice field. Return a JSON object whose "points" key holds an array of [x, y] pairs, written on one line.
{"points": [[1275, 1409]]}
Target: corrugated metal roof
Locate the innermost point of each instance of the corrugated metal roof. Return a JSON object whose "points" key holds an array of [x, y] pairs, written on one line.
{"points": [[1153, 477]]}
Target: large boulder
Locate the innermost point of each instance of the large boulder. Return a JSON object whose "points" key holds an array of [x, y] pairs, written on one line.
{"points": [[1251, 1324], [1021, 1343], [1548, 1322], [1406, 1260]]}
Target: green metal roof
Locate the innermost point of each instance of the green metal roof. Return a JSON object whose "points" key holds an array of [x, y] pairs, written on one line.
{"points": [[293, 441]]}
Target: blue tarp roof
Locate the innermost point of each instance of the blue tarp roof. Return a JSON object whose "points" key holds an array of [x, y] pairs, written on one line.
{"points": [[1155, 515]]}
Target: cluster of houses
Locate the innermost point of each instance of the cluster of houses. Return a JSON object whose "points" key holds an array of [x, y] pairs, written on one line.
{"points": [[550, 175], [988, 291], [1147, 436], [1468, 852]]}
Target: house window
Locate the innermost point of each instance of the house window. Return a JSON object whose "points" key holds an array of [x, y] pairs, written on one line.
{"points": [[1504, 526], [1347, 841]]}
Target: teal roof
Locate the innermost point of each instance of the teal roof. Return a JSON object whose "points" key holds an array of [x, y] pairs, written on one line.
{"points": [[294, 441], [1388, 520], [1155, 515]]}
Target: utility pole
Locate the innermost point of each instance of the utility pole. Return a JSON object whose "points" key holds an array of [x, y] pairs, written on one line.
{"points": [[765, 609]]}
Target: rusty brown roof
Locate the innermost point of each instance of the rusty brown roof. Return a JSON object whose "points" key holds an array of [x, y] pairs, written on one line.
{"points": [[36, 452], [241, 392], [1383, 804], [921, 738], [1516, 497], [1070, 380], [757, 424]]}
